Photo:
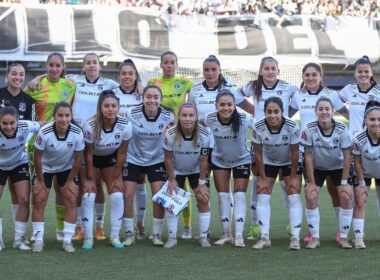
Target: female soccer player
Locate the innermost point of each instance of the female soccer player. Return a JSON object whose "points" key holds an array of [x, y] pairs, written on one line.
{"points": [[174, 90], [14, 164], [129, 97], [13, 95], [304, 101], [275, 139], [186, 148], [51, 90], [266, 85], [106, 136], [366, 160], [230, 153], [146, 156], [58, 153], [327, 146]]}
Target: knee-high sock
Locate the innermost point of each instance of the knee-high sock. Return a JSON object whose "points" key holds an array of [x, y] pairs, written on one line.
{"points": [[295, 214], [100, 210], [87, 208], [285, 195], [239, 212], [312, 219], [204, 224], [117, 211], [140, 202], [345, 220], [225, 211], [263, 214], [254, 201], [358, 228], [172, 221]]}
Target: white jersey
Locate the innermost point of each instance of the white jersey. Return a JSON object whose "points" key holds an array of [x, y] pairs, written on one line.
{"points": [[109, 140], [87, 95], [145, 147], [230, 150], [357, 100], [281, 89], [204, 97], [12, 149], [58, 153], [185, 155], [276, 145], [128, 100], [305, 103], [369, 154], [327, 149]]}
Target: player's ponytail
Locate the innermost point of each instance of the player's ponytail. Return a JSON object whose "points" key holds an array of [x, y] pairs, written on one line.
{"points": [[235, 117]]}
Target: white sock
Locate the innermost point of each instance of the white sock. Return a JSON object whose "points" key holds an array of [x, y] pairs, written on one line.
{"points": [[172, 221], [239, 211], [378, 199], [20, 229], [38, 230], [117, 211], [263, 214], [68, 231], [100, 210], [254, 201], [140, 202], [285, 195], [204, 224], [345, 219], [87, 209], [14, 209], [157, 227], [312, 219], [225, 211], [295, 214], [358, 228], [79, 216], [128, 224]]}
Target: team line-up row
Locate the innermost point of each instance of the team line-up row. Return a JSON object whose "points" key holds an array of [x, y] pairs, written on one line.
{"points": [[210, 134]]}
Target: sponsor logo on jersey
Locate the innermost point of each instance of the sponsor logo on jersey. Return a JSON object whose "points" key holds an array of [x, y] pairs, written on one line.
{"points": [[22, 106]]}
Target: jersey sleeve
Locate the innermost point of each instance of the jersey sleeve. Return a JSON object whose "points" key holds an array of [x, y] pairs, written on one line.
{"points": [[343, 94], [191, 97], [337, 101], [294, 102], [168, 142], [39, 144], [239, 98], [356, 148], [346, 141], [306, 138], [292, 89], [79, 143], [295, 135], [246, 90], [88, 133], [128, 132], [33, 127], [256, 137]]}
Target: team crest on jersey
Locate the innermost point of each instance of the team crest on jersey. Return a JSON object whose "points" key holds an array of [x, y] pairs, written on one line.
{"points": [[285, 137], [39, 140], [371, 97], [70, 144], [87, 135], [336, 140], [22, 106], [304, 136], [254, 134], [177, 85], [355, 147], [100, 87], [165, 140], [279, 93], [117, 136], [161, 126], [65, 94], [21, 139]]}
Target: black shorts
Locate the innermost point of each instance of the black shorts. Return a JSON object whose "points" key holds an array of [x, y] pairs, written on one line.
{"points": [[104, 161], [320, 176], [61, 178], [154, 172], [20, 173], [193, 180], [239, 172], [273, 170]]}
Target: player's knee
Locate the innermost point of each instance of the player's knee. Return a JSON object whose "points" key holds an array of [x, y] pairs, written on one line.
{"points": [[312, 196], [345, 197], [361, 199]]}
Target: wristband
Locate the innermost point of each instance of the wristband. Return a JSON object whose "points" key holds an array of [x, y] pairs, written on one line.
{"points": [[343, 182], [361, 183], [202, 182]]}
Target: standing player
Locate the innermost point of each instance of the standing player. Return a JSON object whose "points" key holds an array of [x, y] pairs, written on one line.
{"points": [[106, 136], [327, 145], [59, 149], [275, 139], [14, 164], [146, 156], [51, 90], [304, 102], [266, 85], [174, 90], [366, 153], [13, 95], [230, 154], [186, 148]]}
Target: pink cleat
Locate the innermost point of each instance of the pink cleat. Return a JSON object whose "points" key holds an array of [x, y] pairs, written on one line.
{"points": [[308, 238], [337, 237]]}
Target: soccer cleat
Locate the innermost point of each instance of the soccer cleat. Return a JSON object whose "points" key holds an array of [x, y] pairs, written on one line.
{"points": [[337, 237], [359, 243], [129, 240], [115, 242], [2, 247], [25, 240], [38, 246], [156, 240], [344, 243], [239, 242], [88, 243], [79, 233], [32, 238], [308, 238], [68, 247], [20, 244], [170, 243], [262, 244], [140, 233], [313, 244], [289, 230], [254, 232], [99, 233], [59, 236], [224, 239], [203, 241], [186, 233], [294, 244]]}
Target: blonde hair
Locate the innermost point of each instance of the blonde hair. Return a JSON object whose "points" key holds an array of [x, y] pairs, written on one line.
{"points": [[178, 128]]}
